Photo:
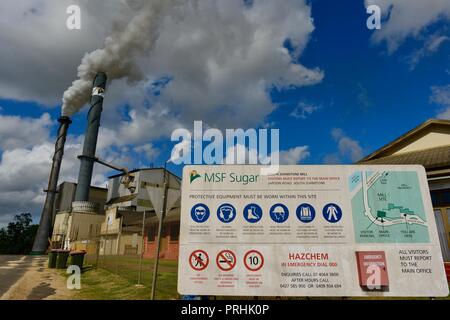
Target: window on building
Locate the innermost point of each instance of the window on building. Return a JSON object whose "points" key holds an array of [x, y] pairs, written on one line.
{"points": [[443, 232], [446, 197], [440, 198], [174, 231], [151, 234]]}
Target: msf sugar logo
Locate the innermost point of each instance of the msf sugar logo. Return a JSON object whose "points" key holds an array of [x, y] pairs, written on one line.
{"points": [[73, 21], [193, 175]]}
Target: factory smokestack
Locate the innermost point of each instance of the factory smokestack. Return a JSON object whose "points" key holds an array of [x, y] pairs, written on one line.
{"points": [[87, 159], [121, 55], [45, 225]]}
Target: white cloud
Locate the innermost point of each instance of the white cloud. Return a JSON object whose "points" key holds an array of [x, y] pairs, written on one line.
{"points": [[240, 154], [18, 131], [294, 155], [444, 114], [431, 46], [407, 18], [143, 124], [441, 95], [224, 59], [221, 57], [303, 110], [21, 168], [24, 174], [150, 151], [39, 54], [348, 148], [25, 164]]}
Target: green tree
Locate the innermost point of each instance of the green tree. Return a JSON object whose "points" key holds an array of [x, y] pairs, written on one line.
{"points": [[18, 236]]}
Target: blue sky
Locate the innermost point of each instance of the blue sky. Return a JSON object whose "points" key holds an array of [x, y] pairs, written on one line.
{"points": [[374, 88], [372, 95]]}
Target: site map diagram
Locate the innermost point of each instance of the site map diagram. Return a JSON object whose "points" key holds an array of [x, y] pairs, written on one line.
{"points": [[388, 207]]}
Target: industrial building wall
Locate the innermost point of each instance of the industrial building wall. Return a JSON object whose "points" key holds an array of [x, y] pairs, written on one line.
{"points": [[169, 241], [108, 245], [139, 200], [60, 229], [64, 198], [117, 190], [84, 226], [87, 245], [156, 176], [111, 223], [130, 243], [66, 195], [98, 195]]}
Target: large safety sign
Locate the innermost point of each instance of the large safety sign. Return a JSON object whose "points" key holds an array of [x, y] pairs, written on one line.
{"points": [[309, 231]]}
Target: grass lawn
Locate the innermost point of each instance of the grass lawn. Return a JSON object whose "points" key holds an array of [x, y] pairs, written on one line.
{"points": [[116, 278]]}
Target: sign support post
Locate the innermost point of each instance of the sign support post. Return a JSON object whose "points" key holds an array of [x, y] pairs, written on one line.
{"points": [[158, 241]]}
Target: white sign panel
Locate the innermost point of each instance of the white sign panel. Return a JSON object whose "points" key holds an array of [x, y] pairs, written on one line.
{"points": [[309, 231]]}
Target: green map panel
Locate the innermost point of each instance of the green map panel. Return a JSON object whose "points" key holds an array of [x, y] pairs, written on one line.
{"points": [[388, 207]]}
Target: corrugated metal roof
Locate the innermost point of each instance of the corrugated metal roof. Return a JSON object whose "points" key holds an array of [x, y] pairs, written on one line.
{"points": [[427, 125], [430, 158]]}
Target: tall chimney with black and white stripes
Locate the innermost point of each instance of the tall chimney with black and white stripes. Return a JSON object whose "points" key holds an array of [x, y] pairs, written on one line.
{"points": [[87, 159], [40, 244]]}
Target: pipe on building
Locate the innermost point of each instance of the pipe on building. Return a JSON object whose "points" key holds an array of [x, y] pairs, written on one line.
{"points": [[45, 225], [87, 159]]}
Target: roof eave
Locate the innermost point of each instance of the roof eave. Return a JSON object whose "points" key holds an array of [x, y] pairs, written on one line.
{"points": [[408, 134]]}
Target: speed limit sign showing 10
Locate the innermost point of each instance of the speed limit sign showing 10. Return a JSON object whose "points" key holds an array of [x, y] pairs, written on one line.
{"points": [[253, 260]]}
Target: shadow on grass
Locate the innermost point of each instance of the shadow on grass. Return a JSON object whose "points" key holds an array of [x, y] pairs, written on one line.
{"points": [[87, 268]]}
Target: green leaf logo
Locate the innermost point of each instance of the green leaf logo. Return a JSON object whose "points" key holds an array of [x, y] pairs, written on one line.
{"points": [[193, 175]]}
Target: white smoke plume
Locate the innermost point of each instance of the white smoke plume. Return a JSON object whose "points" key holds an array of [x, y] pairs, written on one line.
{"points": [[120, 55]]}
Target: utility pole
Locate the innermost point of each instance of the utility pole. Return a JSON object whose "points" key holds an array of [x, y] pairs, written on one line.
{"points": [[158, 241]]}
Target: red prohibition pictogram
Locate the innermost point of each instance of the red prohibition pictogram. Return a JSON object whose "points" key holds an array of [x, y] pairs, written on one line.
{"points": [[198, 260], [253, 260], [226, 260]]}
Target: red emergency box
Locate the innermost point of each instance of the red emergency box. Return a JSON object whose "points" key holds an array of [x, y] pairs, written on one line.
{"points": [[372, 270]]}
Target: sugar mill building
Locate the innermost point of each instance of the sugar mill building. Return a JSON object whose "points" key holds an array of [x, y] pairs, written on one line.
{"points": [[72, 223], [113, 219], [125, 215]]}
